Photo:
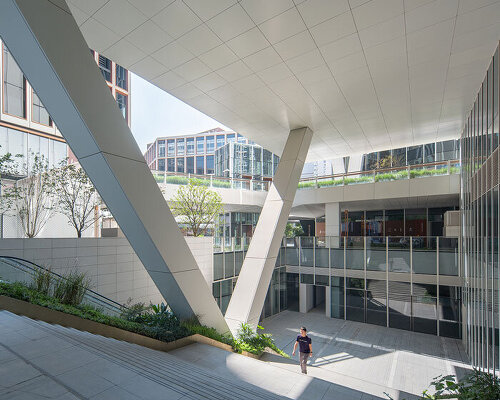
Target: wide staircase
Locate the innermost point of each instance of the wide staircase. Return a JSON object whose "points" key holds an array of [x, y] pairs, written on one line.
{"points": [[40, 360]]}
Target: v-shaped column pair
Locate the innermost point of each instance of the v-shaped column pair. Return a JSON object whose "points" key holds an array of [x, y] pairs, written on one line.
{"points": [[251, 288], [47, 44]]}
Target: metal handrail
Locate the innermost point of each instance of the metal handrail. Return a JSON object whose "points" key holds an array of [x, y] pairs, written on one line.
{"points": [[266, 181], [22, 265], [382, 170]]}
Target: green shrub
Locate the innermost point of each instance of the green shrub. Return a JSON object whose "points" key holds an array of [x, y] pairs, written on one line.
{"points": [[477, 385], [177, 180], [133, 311], [254, 342], [71, 288], [42, 280], [221, 184]]}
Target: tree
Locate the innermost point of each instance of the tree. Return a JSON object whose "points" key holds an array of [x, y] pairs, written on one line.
{"points": [[31, 198], [292, 230], [76, 195], [197, 207]]}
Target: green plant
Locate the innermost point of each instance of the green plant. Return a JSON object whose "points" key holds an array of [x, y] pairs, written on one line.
{"points": [[133, 311], [42, 280], [196, 206], [254, 342], [293, 230], [477, 385], [71, 288]]}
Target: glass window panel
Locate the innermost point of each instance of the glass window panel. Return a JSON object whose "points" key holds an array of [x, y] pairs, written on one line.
{"points": [[171, 147], [218, 266], [374, 223], [122, 101], [180, 165], [370, 161], [355, 305], [337, 297], [105, 66], [229, 264], [376, 302], [399, 157], [416, 222], [353, 223], [210, 144], [424, 308], [161, 164], [210, 165], [190, 146], [424, 255], [355, 258], [375, 253], [190, 165], [226, 291], [171, 164], [180, 147], [321, 280], [121, 77], [337, 252], [399, 254], [321, 258], [200, 165], [283, 290], [40, 114], [400, 305], [307, 278], [221, 141], [231, 138], [200, 145], [429, 153], [414, 155], [448, 256], [161, 148], [14, 87], [292, 291]]}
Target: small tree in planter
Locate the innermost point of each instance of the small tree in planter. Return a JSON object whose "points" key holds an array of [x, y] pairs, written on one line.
{"points": [[197, 207], [76, 195], [31, 198]]}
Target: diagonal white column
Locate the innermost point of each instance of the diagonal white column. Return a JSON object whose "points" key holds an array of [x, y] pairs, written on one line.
{"points": [[250, 292], [47, 44]]}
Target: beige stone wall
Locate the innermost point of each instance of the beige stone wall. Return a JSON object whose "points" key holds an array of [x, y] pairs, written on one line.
{"points": [[111, 263]]}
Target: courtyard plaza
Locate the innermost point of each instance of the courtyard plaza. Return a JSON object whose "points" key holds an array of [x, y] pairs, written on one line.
{"points": [[351, 361]]}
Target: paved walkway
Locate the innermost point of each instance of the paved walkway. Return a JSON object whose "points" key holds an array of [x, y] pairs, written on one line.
{"points": [[367, 357], [352, 362], [42, 361]]}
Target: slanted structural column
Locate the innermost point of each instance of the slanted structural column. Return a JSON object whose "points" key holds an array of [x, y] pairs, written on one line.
{"points": [[251, 288], [47, 44]]}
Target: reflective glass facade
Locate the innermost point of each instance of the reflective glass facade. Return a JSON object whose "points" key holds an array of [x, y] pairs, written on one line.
{"points": [[401, 222], [480, 213], [406, 283], [239, 160]]}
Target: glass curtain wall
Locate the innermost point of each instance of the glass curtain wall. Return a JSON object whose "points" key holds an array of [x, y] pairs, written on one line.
{"points": [[479, 237]]}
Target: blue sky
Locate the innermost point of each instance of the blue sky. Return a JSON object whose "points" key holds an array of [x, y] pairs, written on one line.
{"points": [[156, 113]]}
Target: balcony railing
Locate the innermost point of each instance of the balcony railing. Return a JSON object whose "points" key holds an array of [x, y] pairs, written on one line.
{"points": [[383, 175], [350, 178], [411, 255]]}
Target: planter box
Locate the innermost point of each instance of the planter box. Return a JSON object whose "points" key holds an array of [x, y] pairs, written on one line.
{"points": [[72, 321]]}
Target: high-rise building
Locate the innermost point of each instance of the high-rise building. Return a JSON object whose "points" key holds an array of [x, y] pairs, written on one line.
{"points": [[26, 127]]}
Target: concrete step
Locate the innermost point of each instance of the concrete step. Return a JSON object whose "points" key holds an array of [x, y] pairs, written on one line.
{"points": [[179, 378]]}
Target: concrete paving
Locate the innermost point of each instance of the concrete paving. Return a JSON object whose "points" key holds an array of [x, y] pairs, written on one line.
{"points": [[366, 357], [351, 362]]}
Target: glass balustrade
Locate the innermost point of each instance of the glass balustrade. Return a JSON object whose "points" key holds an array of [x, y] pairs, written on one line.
{"points": [[350, 178], [382, 280]]}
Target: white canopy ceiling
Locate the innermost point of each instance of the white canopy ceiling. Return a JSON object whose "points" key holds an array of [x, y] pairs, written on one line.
{"points": [[363, 75]]}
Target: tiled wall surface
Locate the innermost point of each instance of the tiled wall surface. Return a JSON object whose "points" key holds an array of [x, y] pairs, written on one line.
{"points": [[111, 263]]}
